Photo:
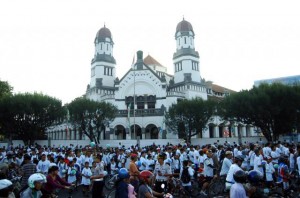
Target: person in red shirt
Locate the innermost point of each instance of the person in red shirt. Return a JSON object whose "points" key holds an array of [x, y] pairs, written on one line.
{"points": [[54, 182]]}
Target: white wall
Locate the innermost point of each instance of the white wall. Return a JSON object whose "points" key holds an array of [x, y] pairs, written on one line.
{"points": [[145, 142], [204, 141]]}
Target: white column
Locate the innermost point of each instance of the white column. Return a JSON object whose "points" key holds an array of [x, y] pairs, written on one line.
{"points": [[72, 134], [128, 135], [243, 131], [236, 131], [216, 131]]}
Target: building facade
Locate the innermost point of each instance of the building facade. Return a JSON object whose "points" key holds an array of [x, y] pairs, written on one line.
{"points": [[150, 90]]}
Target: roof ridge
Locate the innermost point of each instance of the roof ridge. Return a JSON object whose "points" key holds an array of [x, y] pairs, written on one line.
{"points": [[149, 60]]}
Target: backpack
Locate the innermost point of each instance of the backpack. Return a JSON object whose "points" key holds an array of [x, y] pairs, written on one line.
{"points": [[185, 175]]}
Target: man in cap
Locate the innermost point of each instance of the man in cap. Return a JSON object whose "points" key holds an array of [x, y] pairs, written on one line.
{"points": [[161, 171]]}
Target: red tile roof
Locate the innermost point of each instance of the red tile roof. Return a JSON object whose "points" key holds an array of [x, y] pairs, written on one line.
{"points": [[221, 89], [149, 60]]}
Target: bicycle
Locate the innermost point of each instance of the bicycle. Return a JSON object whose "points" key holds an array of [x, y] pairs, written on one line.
{"points": [[111, 194], [217, 187], [178, 191], [110, 180]]}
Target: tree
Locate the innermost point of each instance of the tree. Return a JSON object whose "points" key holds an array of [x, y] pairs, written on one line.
{"points": [[190, 116], [27, 116], [91, 117], [273, 108], [5, 89]]}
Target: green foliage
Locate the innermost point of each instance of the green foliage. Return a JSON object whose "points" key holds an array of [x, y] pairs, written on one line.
{"points": [[273, 108], [91, 117], [189, 117], [5, 89], [27, 116]]}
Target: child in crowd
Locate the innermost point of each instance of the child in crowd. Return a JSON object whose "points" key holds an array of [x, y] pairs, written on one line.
{"points": [[86, 174], [78, 171], [93, 168], [71, 173], [62, 168], [113, 166], [269, 171]]}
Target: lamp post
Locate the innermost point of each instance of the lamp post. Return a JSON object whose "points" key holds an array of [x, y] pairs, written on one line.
{"points": [[68, 118]]}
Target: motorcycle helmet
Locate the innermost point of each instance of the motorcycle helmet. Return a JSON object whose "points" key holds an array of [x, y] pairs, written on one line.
{"points": [[37, 177], [6, 187], [255, 176], [240, 176], [145, 175], [138, 163], [123, 173]]}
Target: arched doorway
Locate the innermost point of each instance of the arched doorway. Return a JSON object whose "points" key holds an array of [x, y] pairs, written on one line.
{"points": [[136, 131], [211, 129], [152, 132], [120, 132], [221, 128]]}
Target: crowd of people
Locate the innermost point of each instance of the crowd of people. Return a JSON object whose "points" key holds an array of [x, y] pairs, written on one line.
{"points": [[41, 171]]}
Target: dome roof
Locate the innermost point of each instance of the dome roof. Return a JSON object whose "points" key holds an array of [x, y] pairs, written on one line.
{"points": [[184, 26], [103, 33]]}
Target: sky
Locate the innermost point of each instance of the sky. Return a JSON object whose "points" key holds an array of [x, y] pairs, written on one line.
{"points": [[47, 46]]}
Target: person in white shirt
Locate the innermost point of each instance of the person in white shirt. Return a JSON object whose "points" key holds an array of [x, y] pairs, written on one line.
{"points": [[196, 157], [274, 155], [291, 159], [267, 150], [86, 175], [150, 163], [278, 149], [113, 166], [191, 154], [175, 165], [269, 171], [143, 161], [298, 159], [161, 171], [43, 165], [208, 171], [258, 161], [235, 150], [226, 163], [237, 190], [202, 157], [71, 173], [87, 158], [121, 159], [251, 156], [238, 160], [182, 156]]}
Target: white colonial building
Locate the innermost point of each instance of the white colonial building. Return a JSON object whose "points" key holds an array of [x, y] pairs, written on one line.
{"points": [[155, 91]]}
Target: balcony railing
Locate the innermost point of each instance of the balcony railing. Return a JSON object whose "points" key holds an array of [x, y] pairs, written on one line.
{"points": [[141, 112], [176, 94], [108, 96]]}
